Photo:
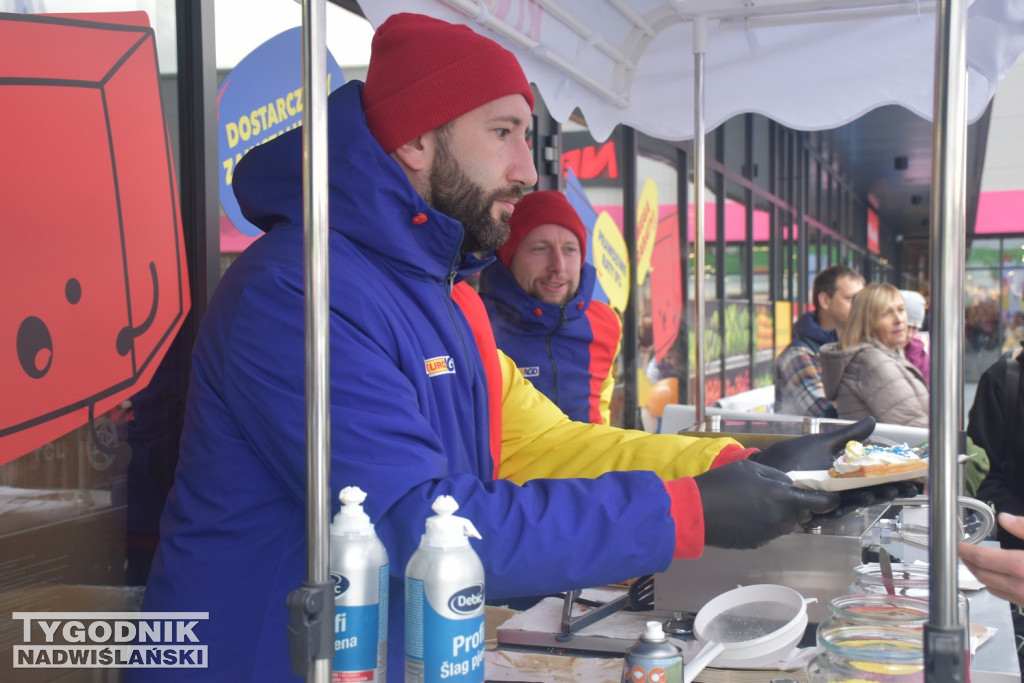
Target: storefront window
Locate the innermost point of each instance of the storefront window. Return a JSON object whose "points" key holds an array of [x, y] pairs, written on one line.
{"points": [[981, 320], [761, 150], [661, 333], [712, 317], [983, 253], [737, 255], [1013, 292]]}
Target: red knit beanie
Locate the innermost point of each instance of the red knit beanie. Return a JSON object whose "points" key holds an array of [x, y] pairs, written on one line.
{"points": [[425, 72], [540, 208]]}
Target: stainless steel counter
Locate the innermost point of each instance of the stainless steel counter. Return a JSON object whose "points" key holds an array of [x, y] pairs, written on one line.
{"points": [[994, 662]]}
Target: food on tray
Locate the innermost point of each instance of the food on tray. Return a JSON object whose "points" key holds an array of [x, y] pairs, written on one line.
{"points": [[863, 460]]}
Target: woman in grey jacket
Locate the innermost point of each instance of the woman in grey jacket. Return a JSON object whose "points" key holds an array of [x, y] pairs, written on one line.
{"points": [[865, 372]]}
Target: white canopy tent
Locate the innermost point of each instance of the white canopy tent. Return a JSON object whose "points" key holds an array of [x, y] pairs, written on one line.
{"points": [[669, 68], [630, 62]]}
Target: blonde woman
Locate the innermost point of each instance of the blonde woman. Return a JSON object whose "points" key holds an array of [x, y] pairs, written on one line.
{"points": [[865, 372]]}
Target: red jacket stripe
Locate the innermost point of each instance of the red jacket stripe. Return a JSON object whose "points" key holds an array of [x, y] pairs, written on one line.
{"points": [[473, 308], [605, 325]]}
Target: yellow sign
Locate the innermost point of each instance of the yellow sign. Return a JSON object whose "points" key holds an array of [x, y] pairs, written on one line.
{"points": [[783, 325], [611, 261], [646, 229]]}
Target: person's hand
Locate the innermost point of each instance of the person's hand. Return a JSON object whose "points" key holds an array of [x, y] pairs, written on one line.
{"points": [[747, 504], [1001, 570], [861, 498], [813, 451]]}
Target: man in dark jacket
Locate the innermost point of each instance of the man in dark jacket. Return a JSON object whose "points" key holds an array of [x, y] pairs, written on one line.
{"points": [[538, 299], [426, 162], [996, 423], [798, 385]]}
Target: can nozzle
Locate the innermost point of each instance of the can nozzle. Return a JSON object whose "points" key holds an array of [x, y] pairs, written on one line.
{"points": [[653, 632], [444, 529], [351, 518]]}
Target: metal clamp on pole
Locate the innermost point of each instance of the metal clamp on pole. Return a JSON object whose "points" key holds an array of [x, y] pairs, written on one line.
{"points": [[311, 629], [945, 653]]}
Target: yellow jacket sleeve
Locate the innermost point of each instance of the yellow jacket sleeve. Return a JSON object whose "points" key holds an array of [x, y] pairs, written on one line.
{"points": [[539, 441]]}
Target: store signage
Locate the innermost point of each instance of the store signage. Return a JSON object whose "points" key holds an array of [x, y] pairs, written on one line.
{"points": [[577, 197], [597, 164], [93, 277], [872, 231], [611, 259], [666, 286], [258, 100], [646, 229]]}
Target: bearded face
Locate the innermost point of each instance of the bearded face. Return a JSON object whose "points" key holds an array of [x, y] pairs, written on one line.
{"points": [[454, 193]]}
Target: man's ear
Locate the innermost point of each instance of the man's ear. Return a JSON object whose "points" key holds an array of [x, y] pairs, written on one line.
{"points": [[822, 303], [416, 154]]}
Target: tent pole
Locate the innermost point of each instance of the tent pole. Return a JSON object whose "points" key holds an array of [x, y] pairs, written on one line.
{"points": [[310, 631], [700, 28], [945, 639]]}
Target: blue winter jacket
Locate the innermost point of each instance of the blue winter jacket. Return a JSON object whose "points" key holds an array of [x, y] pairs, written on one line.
{"points": [[567, 352], [409, 421]]}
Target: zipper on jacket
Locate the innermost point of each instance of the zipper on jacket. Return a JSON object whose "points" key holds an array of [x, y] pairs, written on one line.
{"points": [[449, 287], [551, 358]]}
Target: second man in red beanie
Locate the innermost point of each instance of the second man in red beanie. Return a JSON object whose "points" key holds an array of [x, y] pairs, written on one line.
{"points": [[538, 298]]}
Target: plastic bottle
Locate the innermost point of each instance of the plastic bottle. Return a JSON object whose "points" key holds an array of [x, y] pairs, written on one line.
{"points": [[444, 602], [653, 658], [359, 570]]}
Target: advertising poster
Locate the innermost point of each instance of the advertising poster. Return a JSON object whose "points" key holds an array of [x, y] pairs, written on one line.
{"points": [[258, 100]]}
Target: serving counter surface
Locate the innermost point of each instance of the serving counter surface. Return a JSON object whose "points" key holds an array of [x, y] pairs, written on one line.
{"points": [[523, 646]]}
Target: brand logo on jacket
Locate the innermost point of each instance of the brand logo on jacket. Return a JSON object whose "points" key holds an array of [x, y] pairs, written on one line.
{"points": [[532, 371], [110, 640], [440, 365]]}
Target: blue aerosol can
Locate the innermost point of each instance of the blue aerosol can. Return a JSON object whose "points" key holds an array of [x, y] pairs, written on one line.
{"points": [[652, 658], [359, 572], [444, 602]]}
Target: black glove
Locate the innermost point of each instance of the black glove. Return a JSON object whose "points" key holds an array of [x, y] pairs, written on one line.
{"points": [[813, 451], [747, 504], [854, 499]]}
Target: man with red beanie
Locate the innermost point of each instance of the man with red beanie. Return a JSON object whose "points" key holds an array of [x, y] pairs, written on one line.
{"points": [[427, 161], [538, 299]]}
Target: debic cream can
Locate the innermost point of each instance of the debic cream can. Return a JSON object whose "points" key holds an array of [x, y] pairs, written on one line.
{"points": [[444, 602]]}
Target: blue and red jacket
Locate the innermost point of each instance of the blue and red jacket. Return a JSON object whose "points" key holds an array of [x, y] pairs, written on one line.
{"points": [[568, 351], [415, 392]]}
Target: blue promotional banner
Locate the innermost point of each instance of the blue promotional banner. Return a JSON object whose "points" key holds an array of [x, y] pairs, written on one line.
{"points": [[260, 99], [577, 197]]}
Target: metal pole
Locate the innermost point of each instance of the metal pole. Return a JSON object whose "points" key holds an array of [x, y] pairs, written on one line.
{"points": [[310, 631], [945, 644], [700, 27], [314, 200], [630, 317]]}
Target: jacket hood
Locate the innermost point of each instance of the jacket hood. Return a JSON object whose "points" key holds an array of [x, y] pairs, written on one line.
{"points": [[370, 199], [498, 285], [811, 333]]}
